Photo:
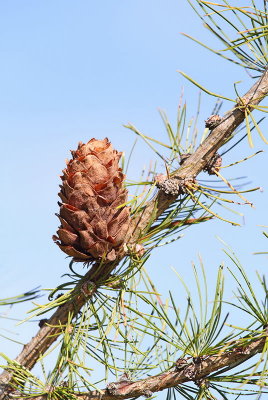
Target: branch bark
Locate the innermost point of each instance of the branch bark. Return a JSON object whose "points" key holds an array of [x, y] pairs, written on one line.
{"points": [[49, 333], [191, 372]]}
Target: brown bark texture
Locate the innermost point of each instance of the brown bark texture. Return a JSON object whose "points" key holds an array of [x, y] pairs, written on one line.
{"points": [[192, 166]]}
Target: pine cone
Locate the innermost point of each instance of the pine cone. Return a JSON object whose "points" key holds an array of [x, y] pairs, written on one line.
{"points": [[92, 226]]}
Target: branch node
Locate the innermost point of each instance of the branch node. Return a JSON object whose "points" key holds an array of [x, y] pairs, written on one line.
{"points": [[213, 121], [88, 288], [42, 322], [214, 164], [125, 377], [173, 186], [112, 388], [241, 105], [180, 364], [190, 372], [197, 360]]}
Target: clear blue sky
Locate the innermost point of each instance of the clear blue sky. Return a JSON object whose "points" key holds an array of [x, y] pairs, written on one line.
{"points": [[73, 70]]}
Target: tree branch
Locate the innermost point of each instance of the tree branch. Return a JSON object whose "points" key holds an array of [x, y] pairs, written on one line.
{"points": [[194, 164], [49, 333], [191, 372]]}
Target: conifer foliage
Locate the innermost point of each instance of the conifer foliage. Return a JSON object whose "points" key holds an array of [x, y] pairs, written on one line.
{"points": [[117, 323]]}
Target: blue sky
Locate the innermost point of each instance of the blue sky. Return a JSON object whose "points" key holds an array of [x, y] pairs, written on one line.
{"points": [[71, 71]]}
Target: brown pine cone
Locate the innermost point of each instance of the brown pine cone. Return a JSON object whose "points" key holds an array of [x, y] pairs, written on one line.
{"points": [[92, 226]]}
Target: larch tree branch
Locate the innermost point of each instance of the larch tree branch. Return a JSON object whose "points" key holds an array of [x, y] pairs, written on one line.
{"points": [[197, 372], [49, 333]]}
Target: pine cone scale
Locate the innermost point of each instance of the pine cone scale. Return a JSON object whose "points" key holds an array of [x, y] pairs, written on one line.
{"points": [[68, 237]]}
